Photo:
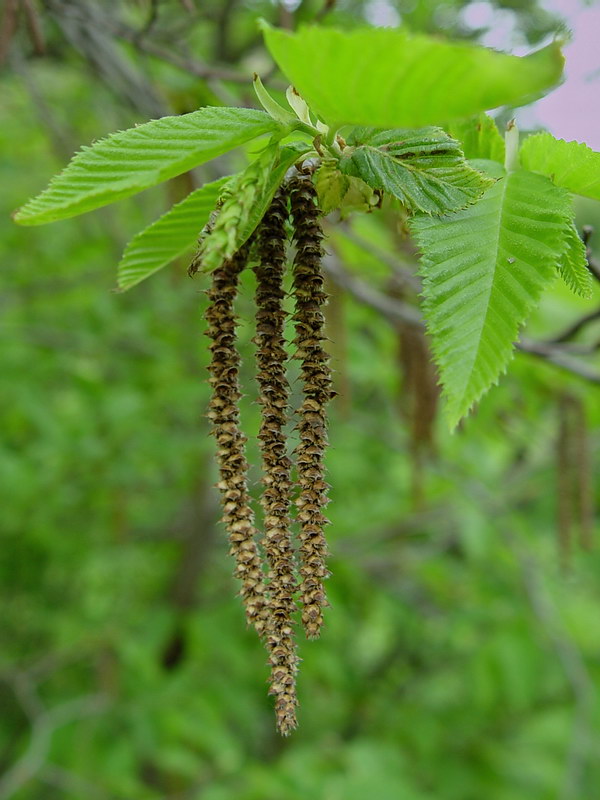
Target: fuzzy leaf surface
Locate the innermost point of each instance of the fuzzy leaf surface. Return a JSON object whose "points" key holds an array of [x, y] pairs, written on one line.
{"points": [[425, 169], [169, 237], [129, 161], [484, 269], [572, 165], [572, 264], [479, 138], [390, 78]]}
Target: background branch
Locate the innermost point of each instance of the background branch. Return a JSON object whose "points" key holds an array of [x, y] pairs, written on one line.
{"points": [[396, 311]]}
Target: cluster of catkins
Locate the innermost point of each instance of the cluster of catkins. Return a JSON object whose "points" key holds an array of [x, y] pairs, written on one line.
{"points": [[276, 575]]}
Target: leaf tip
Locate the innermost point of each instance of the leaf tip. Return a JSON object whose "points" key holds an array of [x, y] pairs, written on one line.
{"points": [[454, 413], [263, 25]]}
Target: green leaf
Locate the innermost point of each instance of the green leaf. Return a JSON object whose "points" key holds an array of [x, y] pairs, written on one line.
{"points": [[425, 169], [129, 161], [479, 137], [390, 78], [484, 269], [572, 165], [245, 201], [169, 237], [572, 264], [331, 187], [358, 197]]}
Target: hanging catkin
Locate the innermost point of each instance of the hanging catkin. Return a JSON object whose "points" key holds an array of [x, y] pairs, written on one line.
{"points": [[224, 415], [274, 394], [316, 381]]}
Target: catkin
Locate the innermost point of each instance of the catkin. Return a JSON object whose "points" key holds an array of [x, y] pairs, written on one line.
{"points": [[274, 396], [316, 379], [224, 416]]}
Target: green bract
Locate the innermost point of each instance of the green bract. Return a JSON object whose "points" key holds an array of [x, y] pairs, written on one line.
{"points": [[244, 202], [479, 137], [331, 186]]}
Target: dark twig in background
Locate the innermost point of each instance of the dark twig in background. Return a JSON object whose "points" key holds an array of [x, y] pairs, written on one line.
{"points": [[397, 310]]}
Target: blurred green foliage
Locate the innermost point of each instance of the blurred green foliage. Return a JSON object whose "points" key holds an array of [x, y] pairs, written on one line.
{"points": [[459, 662]]}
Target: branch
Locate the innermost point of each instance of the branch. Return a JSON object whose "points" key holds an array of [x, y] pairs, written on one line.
{"points": [[576, 327], [396, 311], [8, 26], [189, 65], [84, 25], [43, 727], [34, 27], [402, 273], [553, 354]]}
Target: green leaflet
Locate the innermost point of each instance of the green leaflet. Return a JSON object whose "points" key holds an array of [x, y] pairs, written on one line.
{"points": [[484, 269], [129, 161], [572, 264], [425, 169], [245, 201], [390, 78], [572, 165], [331, 186], [479, 137], [170, 236]]}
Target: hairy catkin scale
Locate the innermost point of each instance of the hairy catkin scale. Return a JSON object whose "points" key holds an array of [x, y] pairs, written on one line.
{"points": [[316, 380], [224, 415], [274, 393]]}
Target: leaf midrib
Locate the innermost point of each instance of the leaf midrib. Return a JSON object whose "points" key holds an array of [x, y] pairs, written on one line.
{"points": [[484, 317], [414, 170]]}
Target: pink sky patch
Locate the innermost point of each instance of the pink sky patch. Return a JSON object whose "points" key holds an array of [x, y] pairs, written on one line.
{"points": [[573, 110]]}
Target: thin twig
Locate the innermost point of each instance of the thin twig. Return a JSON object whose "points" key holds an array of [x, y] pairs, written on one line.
{"points": [[189, 65], [34, 27], [398, 311], [8, 26], [554, 355], [394, 310], [43, 727], [572, 330], [402, 273]]}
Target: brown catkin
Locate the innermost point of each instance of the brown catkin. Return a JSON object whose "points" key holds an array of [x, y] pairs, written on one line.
{"points": [[274, 395], [224, 416], [316, 379]]}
